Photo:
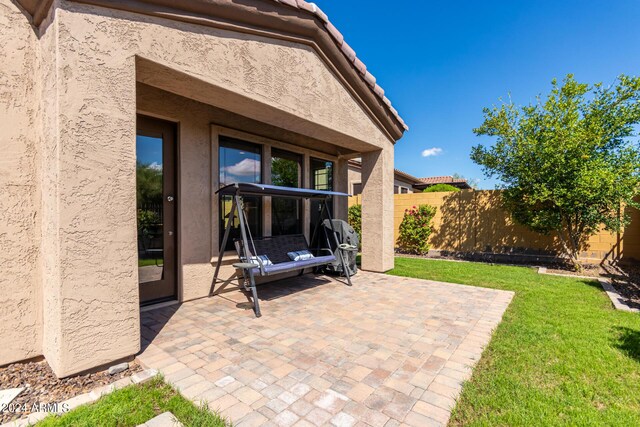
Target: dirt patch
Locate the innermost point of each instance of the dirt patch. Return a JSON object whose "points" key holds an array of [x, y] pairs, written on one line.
{"points": [[588, 270], [626, 280], [43, 387]]}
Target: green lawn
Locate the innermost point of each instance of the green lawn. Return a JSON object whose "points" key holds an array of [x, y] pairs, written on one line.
{"points": [[561, 356], [153, 261], [135, 405]]}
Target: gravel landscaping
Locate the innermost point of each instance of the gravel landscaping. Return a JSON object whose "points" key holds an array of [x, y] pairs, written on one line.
{"points": [[42, 386]]}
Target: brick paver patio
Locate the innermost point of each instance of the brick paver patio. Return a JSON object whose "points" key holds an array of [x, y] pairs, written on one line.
{"points": [[388, 351]]}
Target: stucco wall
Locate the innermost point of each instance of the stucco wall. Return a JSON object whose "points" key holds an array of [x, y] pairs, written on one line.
{"points": [[199, 229], [20, 308], [355, 177], [473, 221], [79, 89]]}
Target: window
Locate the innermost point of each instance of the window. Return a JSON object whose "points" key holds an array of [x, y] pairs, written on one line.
{"points": [[357, 188], [286, 214], [321, 174], [399, 189], [240, 161], [321, 179]]}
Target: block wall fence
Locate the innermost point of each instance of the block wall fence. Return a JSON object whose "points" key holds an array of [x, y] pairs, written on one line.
{"points": [[474, 222]]}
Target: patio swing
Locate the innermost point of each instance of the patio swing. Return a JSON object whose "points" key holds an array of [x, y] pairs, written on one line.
{"points": [[267, 256]]}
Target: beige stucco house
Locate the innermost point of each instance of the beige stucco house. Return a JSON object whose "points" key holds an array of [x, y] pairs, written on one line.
{"points": [[121, 119], [403, 183]]}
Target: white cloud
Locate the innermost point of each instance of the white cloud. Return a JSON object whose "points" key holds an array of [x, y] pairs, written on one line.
{"points": [[431, 152], [246, 167], [155, 166]]}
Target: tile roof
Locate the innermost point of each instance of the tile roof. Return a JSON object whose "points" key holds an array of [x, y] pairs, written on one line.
{"points": [[441, 180], [347, 50]]}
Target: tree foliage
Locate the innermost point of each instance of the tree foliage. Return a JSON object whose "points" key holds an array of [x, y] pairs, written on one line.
{"points": [[284, 172], [441, 188], [148, 184], [567, 163]]}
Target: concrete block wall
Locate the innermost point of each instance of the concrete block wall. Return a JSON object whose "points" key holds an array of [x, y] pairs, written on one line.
{"points": [[473, 221]]}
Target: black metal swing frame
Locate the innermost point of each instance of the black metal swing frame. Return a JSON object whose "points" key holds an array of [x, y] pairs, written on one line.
{"points": [[252, 265]]}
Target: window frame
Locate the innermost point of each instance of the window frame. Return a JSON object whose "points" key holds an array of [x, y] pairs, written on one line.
{"points": [[217, 131]]}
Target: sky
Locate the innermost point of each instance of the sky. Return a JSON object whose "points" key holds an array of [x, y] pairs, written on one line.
{"points": [[441, 63]]}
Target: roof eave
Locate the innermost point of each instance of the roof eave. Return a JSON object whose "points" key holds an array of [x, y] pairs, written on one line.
{"points": [[296, 17]]}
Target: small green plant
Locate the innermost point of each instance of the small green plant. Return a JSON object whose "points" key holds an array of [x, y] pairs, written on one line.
{"points": [[415, 229], [440, 188], [355, 218], [146, 220]]}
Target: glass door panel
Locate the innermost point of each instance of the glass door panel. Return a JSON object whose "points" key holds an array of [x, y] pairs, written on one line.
{"points": [[156, 209], [286, 214]]}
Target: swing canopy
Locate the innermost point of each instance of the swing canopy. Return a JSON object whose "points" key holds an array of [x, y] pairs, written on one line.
{"points": [[248, 189], [277, 249]]}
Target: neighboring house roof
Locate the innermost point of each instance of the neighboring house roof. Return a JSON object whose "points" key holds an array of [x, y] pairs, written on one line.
{"points": [[38, 9], [433, 180], [399, 174]]}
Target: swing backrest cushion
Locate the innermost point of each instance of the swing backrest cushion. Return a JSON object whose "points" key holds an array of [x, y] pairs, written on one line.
{"points": [[276, 247]]}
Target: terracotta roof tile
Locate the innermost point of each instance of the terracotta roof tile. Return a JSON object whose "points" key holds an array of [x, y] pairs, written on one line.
{"points": [[348, 52], [359, 66], [370, 79], [441, 179], [309, 7], [337, 35]]}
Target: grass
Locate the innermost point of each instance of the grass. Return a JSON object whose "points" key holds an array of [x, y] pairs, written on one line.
{"points": [[135, 405], [153, 261], [561, 356]]}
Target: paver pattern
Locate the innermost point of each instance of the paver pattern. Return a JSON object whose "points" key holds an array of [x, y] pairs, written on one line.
{"points": [[388, 351]]}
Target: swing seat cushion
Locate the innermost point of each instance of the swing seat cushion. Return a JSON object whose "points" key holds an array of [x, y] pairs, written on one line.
{"points": [[300, 255], [276, 249], [284, 267]]}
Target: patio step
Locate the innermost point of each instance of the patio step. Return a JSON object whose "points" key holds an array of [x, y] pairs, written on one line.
{"points": [[166, 419]]}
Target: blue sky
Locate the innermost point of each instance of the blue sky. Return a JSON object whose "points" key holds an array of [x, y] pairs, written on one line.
{"points": [[442, 62]]}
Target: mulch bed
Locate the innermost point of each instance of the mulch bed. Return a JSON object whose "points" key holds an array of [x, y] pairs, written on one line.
{"points": [[42, 386]]}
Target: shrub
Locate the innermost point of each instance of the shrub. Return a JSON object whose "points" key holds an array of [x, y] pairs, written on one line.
{"points": [[415, 229], [440, 187], [355, 218]]}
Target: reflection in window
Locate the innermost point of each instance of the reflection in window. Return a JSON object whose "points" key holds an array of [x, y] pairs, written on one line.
{"points": [[286, 214], [240, 161], [357, 189], [149, 191], [321, 179]]}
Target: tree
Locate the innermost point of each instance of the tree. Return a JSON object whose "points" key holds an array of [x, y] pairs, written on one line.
{"points": [[440, 188], [473, 182], [284, 172], [567, 164], [148, 184]]}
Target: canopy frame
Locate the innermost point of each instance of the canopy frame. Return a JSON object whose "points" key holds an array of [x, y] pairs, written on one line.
{"points": [[237, 191]]}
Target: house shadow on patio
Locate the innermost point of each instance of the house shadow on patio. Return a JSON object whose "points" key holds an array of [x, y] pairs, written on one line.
{"points": [[153, 321], [275, 290], [292, 285]]}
